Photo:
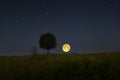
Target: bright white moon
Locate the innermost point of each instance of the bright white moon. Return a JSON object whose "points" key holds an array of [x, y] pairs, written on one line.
{"points": [[66, 47]]}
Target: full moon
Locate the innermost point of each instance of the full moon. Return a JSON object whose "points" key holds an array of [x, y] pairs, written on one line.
{"points": [[66, 47]]}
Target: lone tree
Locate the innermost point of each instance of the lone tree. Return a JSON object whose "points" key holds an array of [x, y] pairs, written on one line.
{"points": [[47, 41]]}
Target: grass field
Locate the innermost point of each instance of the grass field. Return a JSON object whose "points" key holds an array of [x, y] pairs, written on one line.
{"points": [[104, 66]]}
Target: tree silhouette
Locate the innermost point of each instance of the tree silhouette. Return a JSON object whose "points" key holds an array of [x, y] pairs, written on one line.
{"points": [[47, 41]]}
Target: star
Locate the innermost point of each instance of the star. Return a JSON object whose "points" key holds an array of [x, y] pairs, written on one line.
{"points": [[23, 18], [47, 13]]}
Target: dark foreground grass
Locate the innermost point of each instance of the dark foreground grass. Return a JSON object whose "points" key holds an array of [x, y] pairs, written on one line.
{"points": [[104, 66]]}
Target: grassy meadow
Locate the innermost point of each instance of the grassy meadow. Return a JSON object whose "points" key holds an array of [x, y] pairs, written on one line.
{"points": [[103, 66]]}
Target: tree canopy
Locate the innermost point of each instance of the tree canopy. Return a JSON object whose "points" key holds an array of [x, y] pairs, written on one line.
{"points": [[47, 41]]}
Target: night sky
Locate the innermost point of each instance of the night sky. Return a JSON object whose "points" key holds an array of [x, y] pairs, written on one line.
{"points": [[88, 25]]}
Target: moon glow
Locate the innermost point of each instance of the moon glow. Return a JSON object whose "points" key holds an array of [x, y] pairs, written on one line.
{"points": [[66, 47]]}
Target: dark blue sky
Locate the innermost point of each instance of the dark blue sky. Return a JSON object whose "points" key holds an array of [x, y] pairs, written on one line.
{"points": [[88, 25]]}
